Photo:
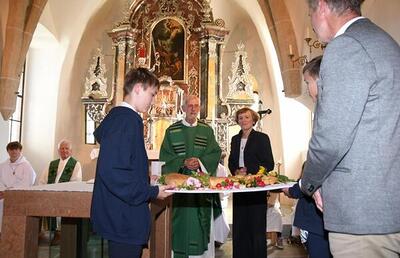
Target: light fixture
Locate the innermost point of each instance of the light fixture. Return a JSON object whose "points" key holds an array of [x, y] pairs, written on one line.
{"points": [[302, 60]]}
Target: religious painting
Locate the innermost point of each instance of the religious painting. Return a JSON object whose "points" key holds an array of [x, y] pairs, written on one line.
{"points": [[168, 49]]}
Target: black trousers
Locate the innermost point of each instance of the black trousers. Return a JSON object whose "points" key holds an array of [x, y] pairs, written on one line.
{"points": [[249, 225], [122, 250]]}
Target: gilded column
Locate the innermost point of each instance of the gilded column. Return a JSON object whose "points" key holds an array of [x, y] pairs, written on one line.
{"points": [[212, 80], [211, 45], [123, 37]]}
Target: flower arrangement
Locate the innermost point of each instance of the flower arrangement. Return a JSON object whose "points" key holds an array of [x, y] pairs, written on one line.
{"points": [[281, 178], [201, 180]]}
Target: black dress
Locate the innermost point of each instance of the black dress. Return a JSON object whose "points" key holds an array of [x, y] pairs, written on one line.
{"points": [[249, 209]]}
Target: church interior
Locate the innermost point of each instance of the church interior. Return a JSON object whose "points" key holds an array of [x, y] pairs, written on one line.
{"points": [[63, 65]]}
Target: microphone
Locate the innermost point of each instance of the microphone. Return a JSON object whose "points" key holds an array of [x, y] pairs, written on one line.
{"points": [[263, 112]]}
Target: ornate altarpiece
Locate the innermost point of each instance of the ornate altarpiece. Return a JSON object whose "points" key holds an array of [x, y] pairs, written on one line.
{"points": [[178, 39], [182, 44]]}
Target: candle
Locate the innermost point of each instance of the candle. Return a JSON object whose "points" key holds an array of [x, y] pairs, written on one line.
{"points": [[290, 50], [308, 33]]}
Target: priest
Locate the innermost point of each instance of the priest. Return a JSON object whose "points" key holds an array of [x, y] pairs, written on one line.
{"points": [[189, 145]]}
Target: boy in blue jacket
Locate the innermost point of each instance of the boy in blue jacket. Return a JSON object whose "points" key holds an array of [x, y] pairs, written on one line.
{"points": [[307, 216], [121, 193]]}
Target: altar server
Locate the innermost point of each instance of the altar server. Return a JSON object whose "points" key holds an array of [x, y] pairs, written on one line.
{"points": [[15, 172], [120, 211]]}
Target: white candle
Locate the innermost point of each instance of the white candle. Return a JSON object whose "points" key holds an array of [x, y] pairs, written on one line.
{"points": [[290, 50], [308, 33]]}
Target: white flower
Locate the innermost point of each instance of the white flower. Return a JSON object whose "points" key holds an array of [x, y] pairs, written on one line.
{"points": [[191, 181]]}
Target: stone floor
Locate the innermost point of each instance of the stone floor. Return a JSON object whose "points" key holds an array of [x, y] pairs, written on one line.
{"points": [[225, 251], [98, 249], [288, 251]]}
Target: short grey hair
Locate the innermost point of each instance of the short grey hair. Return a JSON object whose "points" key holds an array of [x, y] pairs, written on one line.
{"points": [[187, 98], [64, 141], [339, 6]]}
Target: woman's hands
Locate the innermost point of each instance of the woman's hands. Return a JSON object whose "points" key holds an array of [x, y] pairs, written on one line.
{"points": [[241, 171]]}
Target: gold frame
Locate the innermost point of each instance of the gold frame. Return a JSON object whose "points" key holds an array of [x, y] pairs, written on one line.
{"points": [[186, 40]]}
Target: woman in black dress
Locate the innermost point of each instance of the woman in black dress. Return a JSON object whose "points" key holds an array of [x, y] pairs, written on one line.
{"points": [[250, 149]]}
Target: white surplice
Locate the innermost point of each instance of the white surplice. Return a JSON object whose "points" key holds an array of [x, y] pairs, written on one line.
{"points": [[18, 174]]}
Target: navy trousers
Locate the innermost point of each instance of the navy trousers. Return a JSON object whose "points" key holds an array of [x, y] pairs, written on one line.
{"points": [[318, 246], [122, 250]]}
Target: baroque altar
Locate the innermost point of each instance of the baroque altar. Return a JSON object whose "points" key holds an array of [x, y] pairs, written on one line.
{"points": [[182, 43]]}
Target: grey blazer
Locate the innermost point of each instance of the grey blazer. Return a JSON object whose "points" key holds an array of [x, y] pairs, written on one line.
{"points": [[354, 151]]}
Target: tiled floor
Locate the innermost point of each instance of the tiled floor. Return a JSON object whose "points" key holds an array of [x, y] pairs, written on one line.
{"points": [[225, 251]]}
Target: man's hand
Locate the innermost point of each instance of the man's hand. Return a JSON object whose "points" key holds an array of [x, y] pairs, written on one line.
{"points": [[161, 191], [192, 163], [1, 195], [318, 200], [286, 192]]}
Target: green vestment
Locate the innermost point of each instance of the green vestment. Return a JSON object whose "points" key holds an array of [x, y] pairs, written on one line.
{"points": [[191, 212], [65, 177], [66, 174]]}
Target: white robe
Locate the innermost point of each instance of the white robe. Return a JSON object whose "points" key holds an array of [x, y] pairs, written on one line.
{"points": [[15, 175], [221, 226], [274, 215]]}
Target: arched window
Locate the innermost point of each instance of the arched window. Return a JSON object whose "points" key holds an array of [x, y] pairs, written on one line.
{"points": [[15, 122]]}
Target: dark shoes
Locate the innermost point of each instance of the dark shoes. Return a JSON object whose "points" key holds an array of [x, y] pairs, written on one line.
{"points": [[294, 240]]}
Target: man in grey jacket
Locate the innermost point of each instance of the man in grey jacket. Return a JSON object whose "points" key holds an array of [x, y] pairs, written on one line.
{"points": [[353, 163]]}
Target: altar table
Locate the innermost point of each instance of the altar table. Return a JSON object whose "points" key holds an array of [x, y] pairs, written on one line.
{"points": [[24, 207]]}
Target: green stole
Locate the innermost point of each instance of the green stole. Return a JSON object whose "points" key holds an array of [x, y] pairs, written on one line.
{"points": [[191, 212], [66, 174]]}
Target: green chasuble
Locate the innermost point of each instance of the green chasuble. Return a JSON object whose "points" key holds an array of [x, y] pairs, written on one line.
{"points": [[191, 212], [65, 177], [66, 174]]}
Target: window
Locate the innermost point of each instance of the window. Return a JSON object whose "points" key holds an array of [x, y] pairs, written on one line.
{"points": [[15, 127], [90, 126]]}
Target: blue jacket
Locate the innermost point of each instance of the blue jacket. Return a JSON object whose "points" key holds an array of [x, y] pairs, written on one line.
{"points": [[307, 216], [121, 191]]}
